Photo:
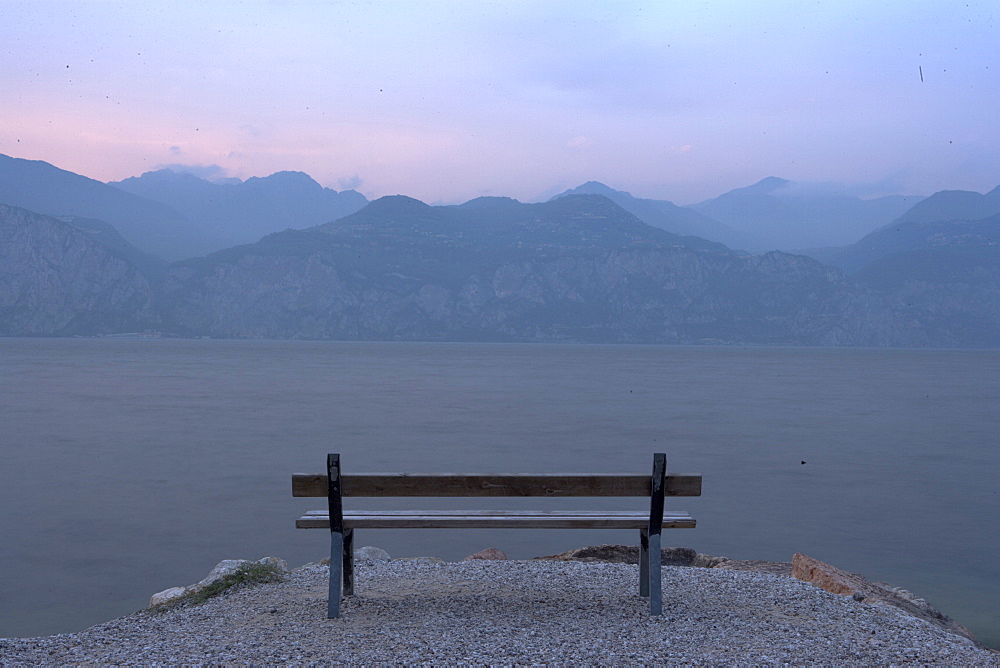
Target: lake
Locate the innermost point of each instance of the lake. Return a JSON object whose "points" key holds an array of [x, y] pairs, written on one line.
{"points": [[131, 466]]}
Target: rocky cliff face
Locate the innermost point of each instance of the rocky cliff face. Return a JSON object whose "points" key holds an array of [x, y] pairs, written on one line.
{"points": [[943, 274], [953, 293], [611, 280], [56, 280], [576, 269], [650, 296]]}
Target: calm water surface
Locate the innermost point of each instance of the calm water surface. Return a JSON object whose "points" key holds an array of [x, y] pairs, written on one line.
{"points": [[130, 466]]}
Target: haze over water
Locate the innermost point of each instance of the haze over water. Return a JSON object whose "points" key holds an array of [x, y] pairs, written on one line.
{"points": [[135, 465]]}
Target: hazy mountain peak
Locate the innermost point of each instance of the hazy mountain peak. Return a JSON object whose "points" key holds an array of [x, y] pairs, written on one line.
{"points": [[166, 175], [393, 203], [761, 191], [662, 214], [769, 184], [286, 179], [240, 212], [594, 188], [588, 203], [597, 188], [952, 205], [489, 201]]}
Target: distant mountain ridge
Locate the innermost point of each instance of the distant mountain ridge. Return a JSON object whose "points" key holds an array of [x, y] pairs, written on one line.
{"points": [[775, 213], [664, 215], [151, 226], [573, 222], [952, 205], [954, 218], [176, 215], [939, 264], [242, 212]]}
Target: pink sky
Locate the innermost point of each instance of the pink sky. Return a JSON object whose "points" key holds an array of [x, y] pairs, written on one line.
{"points": [[446, 101]]}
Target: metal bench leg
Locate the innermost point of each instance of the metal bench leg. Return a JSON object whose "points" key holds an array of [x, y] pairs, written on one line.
{"points": [[644, 562], [654, 557], [655, 594], [348, 562], [336, 573]]}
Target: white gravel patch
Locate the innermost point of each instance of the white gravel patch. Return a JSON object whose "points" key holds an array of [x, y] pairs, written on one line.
{"points": [[514, 613]]}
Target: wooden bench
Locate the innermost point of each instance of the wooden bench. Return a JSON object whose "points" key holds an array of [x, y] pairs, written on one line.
{"points": [[335, 485]]}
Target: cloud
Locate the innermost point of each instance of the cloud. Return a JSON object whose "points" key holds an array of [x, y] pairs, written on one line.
{"points": [[578, 142], [350, 182]]}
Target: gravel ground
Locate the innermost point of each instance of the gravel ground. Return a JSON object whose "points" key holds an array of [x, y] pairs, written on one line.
{"points": [[513, 612]]}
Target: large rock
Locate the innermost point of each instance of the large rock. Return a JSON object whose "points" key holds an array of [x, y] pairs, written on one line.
{"points": [[828, 577], [221, 570], [837, 581], [490, 554], [370, 553], [277, 562], [167, 595]]}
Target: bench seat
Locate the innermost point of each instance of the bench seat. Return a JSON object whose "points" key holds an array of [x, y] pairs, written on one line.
{"points": [[494, 519]]}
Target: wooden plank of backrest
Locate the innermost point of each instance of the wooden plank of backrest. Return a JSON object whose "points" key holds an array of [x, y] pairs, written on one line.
{"points": [[494, 484]]}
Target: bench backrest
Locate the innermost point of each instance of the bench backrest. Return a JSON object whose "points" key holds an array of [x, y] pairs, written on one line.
{"points": [[335, 485], [494, 484]]}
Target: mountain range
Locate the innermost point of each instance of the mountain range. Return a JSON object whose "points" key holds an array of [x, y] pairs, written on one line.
{"points": [[242, 212], [775, 213], [151, 226], [951, 220], [667, 215], [176, 215], [583, 266]]}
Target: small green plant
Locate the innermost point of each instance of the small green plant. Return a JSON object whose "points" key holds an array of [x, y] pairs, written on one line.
{"points": [[245, 575]]}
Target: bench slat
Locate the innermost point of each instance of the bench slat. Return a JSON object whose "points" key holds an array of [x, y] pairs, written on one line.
{"points": [[487, 513], [494, 484], [469, 519]]}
